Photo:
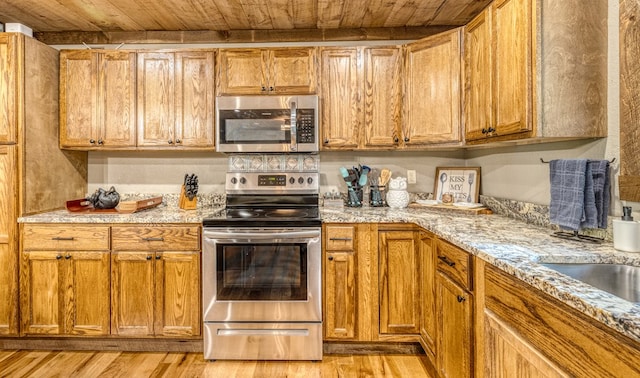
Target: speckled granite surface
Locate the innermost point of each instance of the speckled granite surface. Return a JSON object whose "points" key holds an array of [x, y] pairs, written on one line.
{"points": [[512, 245]]}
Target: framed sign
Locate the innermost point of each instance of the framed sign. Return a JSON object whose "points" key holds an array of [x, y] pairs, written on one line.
{"points": [[457, 184]]}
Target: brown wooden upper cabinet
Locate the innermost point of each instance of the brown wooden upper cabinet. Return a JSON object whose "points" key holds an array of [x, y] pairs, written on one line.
{"points": [[432, 103], [97, 99], [267, 71], [361, 93], [530, 77], [175, 99], [8, 87]]}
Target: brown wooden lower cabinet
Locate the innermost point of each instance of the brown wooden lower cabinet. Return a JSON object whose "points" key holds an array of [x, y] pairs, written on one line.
{"points": [[427, 269], [72, 283], [155, 293], [454, 311], [65, 293], [399, 290], [370, 282], [546, 335]]}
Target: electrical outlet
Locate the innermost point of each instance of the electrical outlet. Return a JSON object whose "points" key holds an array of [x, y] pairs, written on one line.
{"points": [[411, 176]]}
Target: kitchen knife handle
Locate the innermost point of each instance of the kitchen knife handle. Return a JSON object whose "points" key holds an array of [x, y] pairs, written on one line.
{"points": [[153, 239], [446, 260]]}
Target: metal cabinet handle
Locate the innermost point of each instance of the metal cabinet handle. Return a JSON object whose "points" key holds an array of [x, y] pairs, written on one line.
{"points": [[178, 141], [92, 141], [340, 239], [446, 260], [170, 141], [158, 257], [100, 142], [58, 257], [461, 299], [263, 88], [326, 141], [406, 139], [153, 239], [330, 258], [148, 257], [271, 89], [63, 238], [396, 139], [67, 257]]}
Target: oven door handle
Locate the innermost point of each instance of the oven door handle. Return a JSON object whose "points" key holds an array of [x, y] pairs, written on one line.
{"points": [[270, 234]]}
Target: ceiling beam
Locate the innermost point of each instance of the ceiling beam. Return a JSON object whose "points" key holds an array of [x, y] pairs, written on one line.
{"points": [[239, 36]]}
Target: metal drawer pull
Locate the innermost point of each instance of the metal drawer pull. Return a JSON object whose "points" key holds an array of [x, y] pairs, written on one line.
{"points": [[148, 257], [63, 238], [446, 260], [67, 257], [340, 239], [58, 257], [461, 298], [153, 239]]}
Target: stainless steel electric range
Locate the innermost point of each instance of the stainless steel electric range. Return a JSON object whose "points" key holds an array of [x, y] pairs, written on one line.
{"points": [[261, 269]]}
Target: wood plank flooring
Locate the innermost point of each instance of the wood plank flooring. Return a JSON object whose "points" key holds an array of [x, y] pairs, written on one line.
{"points": [[34, 363]]}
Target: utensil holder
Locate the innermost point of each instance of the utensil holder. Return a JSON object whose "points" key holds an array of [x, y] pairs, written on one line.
{"points": [[377, 195], [354, 196]]}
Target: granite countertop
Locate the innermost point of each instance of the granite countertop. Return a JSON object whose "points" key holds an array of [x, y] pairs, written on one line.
{"points": [[511, 245]]}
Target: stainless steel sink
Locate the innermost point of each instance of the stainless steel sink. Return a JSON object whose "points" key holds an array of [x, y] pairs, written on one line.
{"points": [[620, 280]]}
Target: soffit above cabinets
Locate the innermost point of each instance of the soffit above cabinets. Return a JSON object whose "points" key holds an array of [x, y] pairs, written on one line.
{"points": [[104, 21]]}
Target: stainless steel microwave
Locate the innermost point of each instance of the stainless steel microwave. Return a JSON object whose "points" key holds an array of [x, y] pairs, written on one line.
{"points": [[267, 123]]}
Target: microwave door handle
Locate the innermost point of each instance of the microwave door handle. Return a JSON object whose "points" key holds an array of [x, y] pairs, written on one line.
{"points": [[294, 126]]}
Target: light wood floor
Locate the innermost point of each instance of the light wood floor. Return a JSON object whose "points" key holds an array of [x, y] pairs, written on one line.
{"points": [[31, 363]]}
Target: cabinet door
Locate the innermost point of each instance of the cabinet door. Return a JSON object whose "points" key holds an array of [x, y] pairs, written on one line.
{"points": [[341, 107], [41, 304], [340, 295], [399, 294], [242, 71], [8, 87], [177, 293], [512, 69], [87, 291], [194, 98], [508, 354], [132, 293], [455, 316], [156, 100], [478, 63], [117, 99], [433, 92], [8, 247], [428, 291], [78, 98], [292, 70], [382, 97]]}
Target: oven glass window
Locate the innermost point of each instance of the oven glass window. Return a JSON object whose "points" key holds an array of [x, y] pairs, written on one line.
{"points": [[262, 272]]}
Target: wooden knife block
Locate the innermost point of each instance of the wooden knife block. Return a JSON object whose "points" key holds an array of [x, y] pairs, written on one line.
{"points": [[185, 202]]}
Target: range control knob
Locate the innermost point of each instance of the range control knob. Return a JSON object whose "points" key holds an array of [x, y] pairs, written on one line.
{"points": [[234, 180], [310, 180], [301, 180], [292, 180], [243, 180]]}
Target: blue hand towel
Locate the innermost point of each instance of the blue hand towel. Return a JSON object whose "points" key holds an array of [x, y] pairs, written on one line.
{"points": [[601, 189], [590, 216], [568, 181]]}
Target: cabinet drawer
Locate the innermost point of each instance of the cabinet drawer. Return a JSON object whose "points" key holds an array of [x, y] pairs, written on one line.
{"points": [[68, 237], [160, 238], [455, 263], [339, 238]]}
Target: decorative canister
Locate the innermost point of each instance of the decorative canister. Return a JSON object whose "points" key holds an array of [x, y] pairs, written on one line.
{"points": [[397, 195]]}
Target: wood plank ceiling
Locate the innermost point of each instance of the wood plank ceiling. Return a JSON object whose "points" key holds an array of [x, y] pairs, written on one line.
{"points": [[115, 21]]}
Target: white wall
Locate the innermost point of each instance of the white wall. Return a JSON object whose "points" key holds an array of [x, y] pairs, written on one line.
{"points": [[508, 172]]}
